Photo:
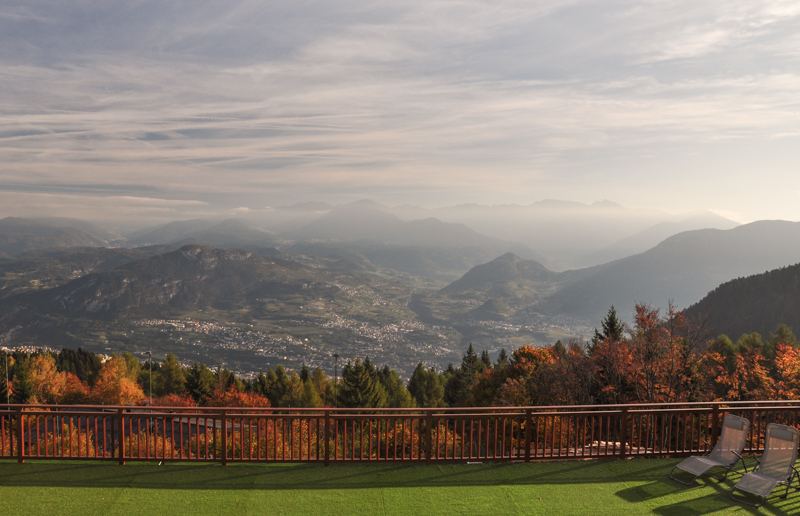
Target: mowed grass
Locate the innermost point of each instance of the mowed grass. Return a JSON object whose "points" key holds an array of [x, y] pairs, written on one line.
{"points": [[639, 486]]}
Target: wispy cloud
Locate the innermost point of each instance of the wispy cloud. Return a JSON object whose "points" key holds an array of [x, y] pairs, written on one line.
{"points": [[250, 104]]}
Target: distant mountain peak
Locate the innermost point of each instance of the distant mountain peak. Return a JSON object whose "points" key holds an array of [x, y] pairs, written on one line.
{"points": [[367, 203], [605, 203], [507, 276], [307, 206]]}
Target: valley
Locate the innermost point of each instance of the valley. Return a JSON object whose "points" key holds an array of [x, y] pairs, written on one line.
{"points": [[401, 292]]}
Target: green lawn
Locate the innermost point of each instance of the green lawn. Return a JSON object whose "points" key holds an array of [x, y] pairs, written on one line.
{"points": [[638, 486]]}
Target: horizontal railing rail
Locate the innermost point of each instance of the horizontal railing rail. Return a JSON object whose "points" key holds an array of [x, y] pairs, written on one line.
{"points": [[326, 435]]}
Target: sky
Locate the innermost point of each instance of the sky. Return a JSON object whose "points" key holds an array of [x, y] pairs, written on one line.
{"points": [[172, 110]]}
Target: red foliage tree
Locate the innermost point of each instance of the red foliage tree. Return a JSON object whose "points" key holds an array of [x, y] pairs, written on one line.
{"points": [[233, 398]]}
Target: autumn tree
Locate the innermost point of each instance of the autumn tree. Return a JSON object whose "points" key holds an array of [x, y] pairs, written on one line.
{"points": [[572, 375], [786, 378], [232, 397], [614, 370], [526, 377], [750, 378], [47, 383], [75, 392], [116, 384]]}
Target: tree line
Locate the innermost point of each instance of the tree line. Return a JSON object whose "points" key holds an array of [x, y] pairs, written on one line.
{"points": [[659, 358]]}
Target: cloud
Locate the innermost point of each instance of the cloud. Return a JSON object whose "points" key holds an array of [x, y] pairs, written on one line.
{"points": [[251, 104]]}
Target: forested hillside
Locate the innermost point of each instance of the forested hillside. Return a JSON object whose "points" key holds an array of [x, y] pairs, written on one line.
{"points": [[753, 304]]}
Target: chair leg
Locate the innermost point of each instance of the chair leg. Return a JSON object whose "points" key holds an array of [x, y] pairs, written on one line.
{"points": [[679, 480], [741, 500], [788, 484]]}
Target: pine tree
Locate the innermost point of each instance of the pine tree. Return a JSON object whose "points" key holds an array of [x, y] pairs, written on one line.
{"points": [[469, 362], [278, 387], [458, 388], [487, 361], [169, 379], [200, 382], [502, 359], [22, 388], [612, 328], [359, 389], [397, 395], [425, 387], [305, 373], [4, 387]]}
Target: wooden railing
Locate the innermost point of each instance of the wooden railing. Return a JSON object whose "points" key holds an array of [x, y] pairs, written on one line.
{"points": [[123, 434]]}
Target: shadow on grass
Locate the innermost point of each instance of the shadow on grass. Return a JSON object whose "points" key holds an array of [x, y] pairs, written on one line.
{"points": [[315, 476], [711, 496]]}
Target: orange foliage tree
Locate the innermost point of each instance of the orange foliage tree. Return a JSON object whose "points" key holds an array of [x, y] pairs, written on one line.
{"points": [[233, 398], [786, 380], [75, 391], [116, 385], [48, 384]]}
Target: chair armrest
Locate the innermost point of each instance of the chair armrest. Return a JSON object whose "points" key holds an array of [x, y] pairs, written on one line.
{"points": [[741, 459]]}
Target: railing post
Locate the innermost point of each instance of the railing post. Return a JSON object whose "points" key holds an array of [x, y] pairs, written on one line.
{"points": [[714, 424], [224, 437], [121, 425], [528, 424], [327, 436], [20, 437], [623, 423], [429, 436]]}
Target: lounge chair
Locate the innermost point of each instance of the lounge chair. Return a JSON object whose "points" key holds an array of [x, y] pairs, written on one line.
{"points": [[726, 453], [775, 467]]}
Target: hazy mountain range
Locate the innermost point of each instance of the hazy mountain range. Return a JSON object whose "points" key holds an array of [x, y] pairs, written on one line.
{"points": [[20, 235], [441, 281], [191, 278]]}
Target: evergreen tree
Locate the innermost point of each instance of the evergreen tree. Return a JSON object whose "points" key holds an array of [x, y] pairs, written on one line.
{"points": [[612, 328], [502, 359], [278, 387], [305, 373], [487, 361], [22, 389], [426, 387], [259, 385], [309, 397], [784, 335], [200, 382], [4, 387], [169, 379], [469, 362], [458, 387], [322, 385], [397, 395], [359, 389], [83, 364]]}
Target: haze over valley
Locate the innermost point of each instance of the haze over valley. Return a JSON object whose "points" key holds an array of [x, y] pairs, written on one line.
{"points": [[363, 279]]}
